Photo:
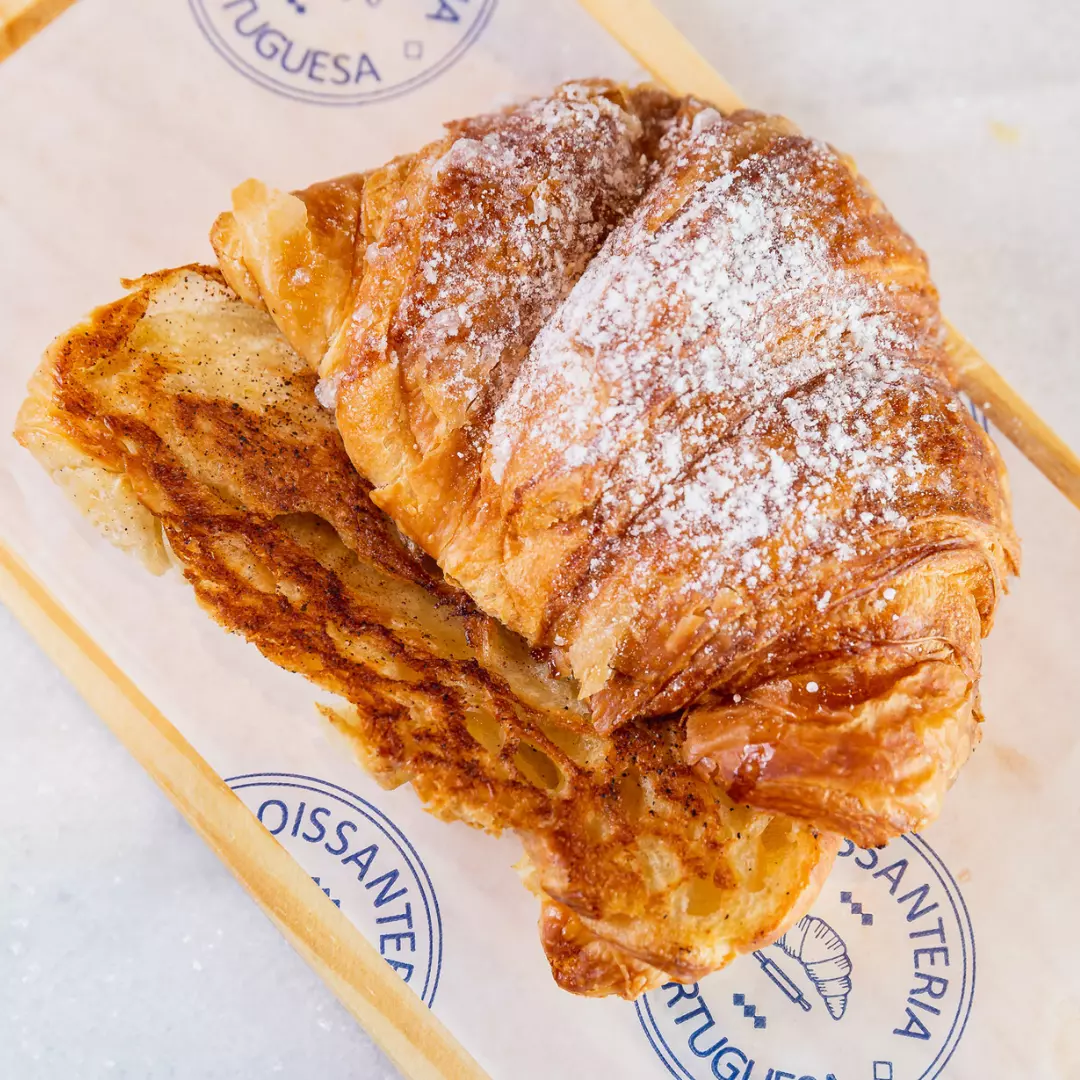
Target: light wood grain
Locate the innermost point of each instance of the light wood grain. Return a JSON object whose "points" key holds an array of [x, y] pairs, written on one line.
{"points": [[663, 51], [392, 1013], [20, 20], [1014, 418]]}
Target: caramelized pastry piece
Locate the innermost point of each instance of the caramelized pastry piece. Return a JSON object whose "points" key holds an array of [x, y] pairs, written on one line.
{"points": [[179, 396], [184, 409], [295, 254], [873, 729], [734, 434]]}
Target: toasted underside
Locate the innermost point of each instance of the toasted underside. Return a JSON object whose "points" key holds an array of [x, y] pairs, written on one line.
{"points": [[187, 428]]}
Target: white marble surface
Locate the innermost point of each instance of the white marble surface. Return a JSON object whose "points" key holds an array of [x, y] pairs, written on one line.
{"points": [[126, 949]]}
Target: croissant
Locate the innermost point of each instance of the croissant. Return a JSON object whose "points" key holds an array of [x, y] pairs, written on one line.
{"points": [[711, 466], [662, 392], [824, 956], [527, 197]]}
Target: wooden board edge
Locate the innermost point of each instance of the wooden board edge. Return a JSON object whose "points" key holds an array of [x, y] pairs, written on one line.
{"points": [[660, 47], [21, 20], [654, 41], [414, 1039], [1013, 416]]}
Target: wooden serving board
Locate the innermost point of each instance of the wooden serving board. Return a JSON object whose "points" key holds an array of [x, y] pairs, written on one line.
{"points": [[410, 1033], [20, 20]]}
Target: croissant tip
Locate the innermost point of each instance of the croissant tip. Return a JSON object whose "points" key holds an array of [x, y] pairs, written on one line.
{"points": [[836, 1006]]}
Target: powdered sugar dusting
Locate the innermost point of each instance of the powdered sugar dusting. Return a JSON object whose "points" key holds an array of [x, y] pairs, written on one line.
{"points": [[807, 476], [719, 371], [326, 391], [512, 212]]}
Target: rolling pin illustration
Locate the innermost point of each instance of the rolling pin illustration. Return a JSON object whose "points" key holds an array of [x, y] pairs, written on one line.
{"points": [[781, 978]]}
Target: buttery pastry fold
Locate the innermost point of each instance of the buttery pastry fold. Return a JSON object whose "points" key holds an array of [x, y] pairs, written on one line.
{"points": [[296, 255], [479, 238]]}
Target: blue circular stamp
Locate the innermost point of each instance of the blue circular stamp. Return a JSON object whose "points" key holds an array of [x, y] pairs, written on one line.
{"points": [[341, 52], [875, 984], [362, 861]]}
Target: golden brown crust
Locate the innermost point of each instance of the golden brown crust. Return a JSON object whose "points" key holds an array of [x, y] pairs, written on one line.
{"points": [[481, 235], [588, 965], [892, 714], [195, 399], [124, 389], [733, 440], [296, 255]]}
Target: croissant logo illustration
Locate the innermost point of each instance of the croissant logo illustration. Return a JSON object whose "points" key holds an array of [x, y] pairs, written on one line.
{"points": [[888, 949], [329, 52], [824, 957]]}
